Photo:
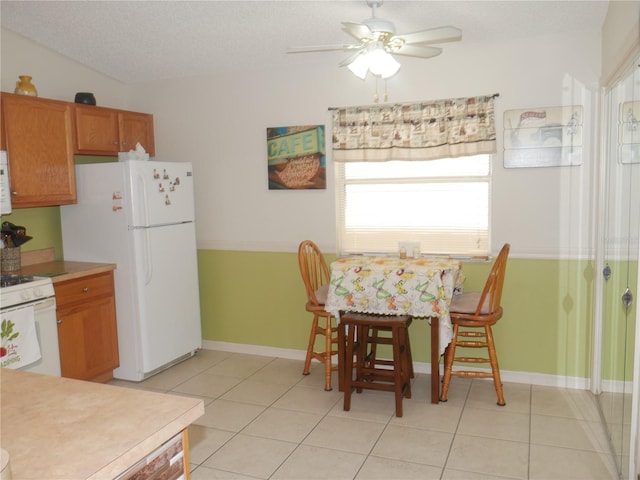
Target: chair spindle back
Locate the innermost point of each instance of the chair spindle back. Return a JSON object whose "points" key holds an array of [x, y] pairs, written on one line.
{"points": [[313, 268]]}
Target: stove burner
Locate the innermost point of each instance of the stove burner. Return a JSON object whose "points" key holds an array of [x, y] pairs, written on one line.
{"points": [[9, 280]]}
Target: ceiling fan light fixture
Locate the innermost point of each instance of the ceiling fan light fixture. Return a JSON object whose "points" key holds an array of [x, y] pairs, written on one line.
{"points": [[382, 63], [360, 66]]}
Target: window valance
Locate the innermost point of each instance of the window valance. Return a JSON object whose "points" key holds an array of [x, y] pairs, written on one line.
{"points": [[415, 131]]}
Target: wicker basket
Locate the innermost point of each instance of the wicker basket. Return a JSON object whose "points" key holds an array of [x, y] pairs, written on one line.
{"points": [[10, 259]]}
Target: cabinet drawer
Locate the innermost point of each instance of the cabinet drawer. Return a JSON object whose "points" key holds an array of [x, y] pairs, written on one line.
{"points": [[84, 289]]}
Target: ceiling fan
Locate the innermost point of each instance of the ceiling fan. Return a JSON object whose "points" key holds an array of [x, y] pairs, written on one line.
{"points": [[378, 43]]}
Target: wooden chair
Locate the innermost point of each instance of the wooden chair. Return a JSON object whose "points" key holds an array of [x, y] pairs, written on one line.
{"points": [[315, 275], [470, 312], [362, 333]]}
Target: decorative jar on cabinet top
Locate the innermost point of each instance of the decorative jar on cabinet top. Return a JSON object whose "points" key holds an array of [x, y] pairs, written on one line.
{"points": [[25, 87]]}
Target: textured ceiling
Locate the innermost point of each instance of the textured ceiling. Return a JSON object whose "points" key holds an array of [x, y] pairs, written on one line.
{"points": [[138, 41]]}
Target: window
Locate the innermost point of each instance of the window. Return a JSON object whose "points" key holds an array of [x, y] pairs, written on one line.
{"points": [[443, 204]]}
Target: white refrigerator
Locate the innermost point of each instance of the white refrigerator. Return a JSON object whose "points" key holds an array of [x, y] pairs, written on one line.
{"points": [[139, 215]]}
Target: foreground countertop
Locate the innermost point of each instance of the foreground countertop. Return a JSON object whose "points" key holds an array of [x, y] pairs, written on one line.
{"points": [[60, 428]]}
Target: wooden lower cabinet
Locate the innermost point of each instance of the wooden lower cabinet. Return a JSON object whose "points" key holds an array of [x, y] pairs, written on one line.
{"points": [[87, 331]]}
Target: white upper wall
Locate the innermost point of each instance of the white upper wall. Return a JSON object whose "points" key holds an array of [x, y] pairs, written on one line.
{"points": [[219, 123], [54, 75]]}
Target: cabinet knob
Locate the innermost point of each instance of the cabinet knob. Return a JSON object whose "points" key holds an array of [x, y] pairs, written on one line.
{"points": [[115, 142], [85, 289], [14, 193], [59, 322]]}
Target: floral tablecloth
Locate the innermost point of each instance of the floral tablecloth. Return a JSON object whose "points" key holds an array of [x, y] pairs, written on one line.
{"points": [[421, 287]]}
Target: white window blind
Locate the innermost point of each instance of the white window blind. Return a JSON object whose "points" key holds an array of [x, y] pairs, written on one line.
{"points": [[443, 204]]}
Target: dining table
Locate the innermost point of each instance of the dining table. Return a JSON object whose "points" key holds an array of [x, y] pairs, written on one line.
{"points": [[389, 285]]}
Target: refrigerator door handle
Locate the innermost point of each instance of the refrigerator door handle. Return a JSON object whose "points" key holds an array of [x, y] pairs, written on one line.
{"points": [[148, 269], [143, 203]]}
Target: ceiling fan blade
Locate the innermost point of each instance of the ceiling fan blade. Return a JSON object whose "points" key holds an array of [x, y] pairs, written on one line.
{"points": [[359, 31], [433, 35], [349, 59], [323, 48], [418, 51]]}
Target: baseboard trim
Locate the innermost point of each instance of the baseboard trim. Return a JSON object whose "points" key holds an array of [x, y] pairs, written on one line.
{"points": [[419, 367]]}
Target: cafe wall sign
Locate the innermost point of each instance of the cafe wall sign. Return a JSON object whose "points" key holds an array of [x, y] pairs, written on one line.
{"points": [[296, 157], [543, 137]]}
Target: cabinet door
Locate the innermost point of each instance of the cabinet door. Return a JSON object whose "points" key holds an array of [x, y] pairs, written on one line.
{"points": [[96, 130], [136, 127], [88, 339], [87, 331], [38, 139]]}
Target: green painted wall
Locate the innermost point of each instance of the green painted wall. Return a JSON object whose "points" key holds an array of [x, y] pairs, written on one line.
{"points": [[43, 224], [258, 298]]}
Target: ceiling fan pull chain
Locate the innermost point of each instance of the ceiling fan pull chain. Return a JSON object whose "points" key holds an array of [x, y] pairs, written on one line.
{"points": [[386, 95], [375, 95]]}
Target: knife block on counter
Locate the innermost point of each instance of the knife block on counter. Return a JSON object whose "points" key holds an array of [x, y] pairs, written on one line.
{"points": [[10, 259]]}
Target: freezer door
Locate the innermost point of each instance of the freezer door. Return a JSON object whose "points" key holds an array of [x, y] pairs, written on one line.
{"points": [[161, 192], [169, 306]]}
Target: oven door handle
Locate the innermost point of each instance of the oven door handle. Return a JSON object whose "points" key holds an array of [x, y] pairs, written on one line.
{"points": [[40, 304]]}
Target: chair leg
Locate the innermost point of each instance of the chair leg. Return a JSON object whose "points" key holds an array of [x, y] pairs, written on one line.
{"points": [[327, 354], [342, 357], [449, 355], [348, 370], [493, 358], [406, 361], [398, 375], [373, 349], [362, 356], [312, 340], [409, 355]]}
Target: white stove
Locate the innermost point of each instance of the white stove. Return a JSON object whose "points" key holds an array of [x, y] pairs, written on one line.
{"points": [[19, 289], [30, 301]]}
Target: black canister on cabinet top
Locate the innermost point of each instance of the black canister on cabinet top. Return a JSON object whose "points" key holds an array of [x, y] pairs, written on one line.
{"points": [[86, 98]]}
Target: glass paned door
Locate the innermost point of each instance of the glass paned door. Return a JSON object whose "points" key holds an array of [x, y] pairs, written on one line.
{"points": [[620, 269]]}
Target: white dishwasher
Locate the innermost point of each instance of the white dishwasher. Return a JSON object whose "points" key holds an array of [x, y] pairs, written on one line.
{"points": [[25, 297]]}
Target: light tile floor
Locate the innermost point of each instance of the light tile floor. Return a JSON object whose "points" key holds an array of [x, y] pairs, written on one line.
{"points": [[265, 420]]}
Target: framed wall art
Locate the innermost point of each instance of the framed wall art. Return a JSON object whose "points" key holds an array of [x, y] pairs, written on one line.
{"points": [[543, 137], [296, 158], [629, 133]]}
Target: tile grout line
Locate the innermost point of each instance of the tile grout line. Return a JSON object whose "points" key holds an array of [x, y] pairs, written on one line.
{"points": [[455, 432]]}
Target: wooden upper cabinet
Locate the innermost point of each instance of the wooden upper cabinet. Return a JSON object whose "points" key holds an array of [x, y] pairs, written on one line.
{"points": [[136, 127], [107, 131], [96, 130], [38, 138]]}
